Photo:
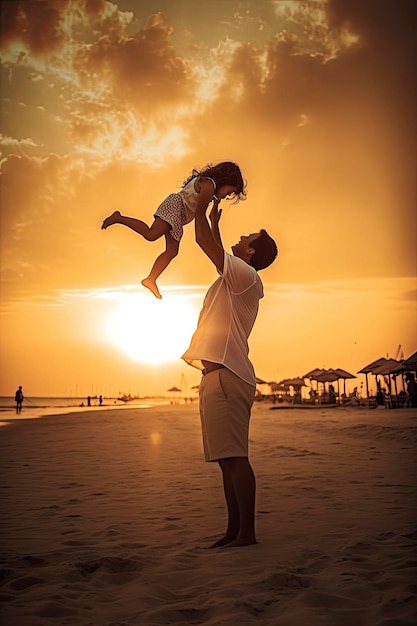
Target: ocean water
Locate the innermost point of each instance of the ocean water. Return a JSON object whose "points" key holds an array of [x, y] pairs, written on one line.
{"points": [[8, 402], [46, 406]]}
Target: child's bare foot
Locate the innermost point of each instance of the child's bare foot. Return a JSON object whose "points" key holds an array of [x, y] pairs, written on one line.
{"points": [[114, 218], [151, 284]]}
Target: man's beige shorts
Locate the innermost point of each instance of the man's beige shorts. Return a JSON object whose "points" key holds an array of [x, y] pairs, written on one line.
{"points": [[225, 406]]}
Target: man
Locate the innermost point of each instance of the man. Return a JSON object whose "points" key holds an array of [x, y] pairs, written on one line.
{"points": [[219, 346], [19, 399]]}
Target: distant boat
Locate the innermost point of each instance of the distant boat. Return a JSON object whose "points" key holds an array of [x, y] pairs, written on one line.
{"points": [[127, 397]]}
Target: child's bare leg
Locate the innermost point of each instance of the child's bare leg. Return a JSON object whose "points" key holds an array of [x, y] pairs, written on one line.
{"points": [[158, 228], [164, 259]]}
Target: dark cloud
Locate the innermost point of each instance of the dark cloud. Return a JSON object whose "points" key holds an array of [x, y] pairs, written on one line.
{"points": [[36, 23], [143, 70], [385, 62], [387, 27]]}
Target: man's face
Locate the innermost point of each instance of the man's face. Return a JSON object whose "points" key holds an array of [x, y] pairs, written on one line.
{"points": [[241, 248]]}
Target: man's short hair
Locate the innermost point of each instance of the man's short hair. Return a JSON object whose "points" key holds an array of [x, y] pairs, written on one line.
{"points": [[265, 253]]}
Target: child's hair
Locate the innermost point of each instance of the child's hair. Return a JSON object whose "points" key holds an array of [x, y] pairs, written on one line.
{"points": [[265, 251], [225, 173]]}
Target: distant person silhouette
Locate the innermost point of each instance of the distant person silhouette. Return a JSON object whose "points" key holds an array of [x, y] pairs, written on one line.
{"points": [[411, 389], [332, 395], [100, 400], [89, 401], [380, 395], [19, 399]]}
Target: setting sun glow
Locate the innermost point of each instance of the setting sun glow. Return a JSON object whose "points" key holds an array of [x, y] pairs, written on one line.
{"points": [[149, 330]]}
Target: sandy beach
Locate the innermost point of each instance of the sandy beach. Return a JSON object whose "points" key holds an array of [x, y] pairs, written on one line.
{"points": [[107, 517]]}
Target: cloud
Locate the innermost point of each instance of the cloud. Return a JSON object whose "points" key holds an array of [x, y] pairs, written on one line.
{"points": [[141, 70], [45, 28], [39, 26], [17, 144], [322, 131]]}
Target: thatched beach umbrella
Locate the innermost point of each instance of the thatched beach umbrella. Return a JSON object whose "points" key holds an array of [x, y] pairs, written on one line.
{"points": [[390, 368], [344, 375], [369, 369], [382, 367], [296, 383], [410, 364], [407, 365], [312, 375], [174, 390], [327, 376]]}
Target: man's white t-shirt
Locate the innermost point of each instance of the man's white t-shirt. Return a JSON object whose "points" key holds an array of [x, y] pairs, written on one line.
{"points": [[227, 318]]}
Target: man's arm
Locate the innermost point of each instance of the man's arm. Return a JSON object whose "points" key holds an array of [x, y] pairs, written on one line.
{"points": [[215, 215], [208, 238]]}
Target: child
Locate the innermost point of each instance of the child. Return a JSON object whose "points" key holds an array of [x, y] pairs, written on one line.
{"points": [[213, 182]]}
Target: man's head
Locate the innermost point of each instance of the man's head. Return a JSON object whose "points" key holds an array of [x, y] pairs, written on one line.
{"points": [[258, 249]]}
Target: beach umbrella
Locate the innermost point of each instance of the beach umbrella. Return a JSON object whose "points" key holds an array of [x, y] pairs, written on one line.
{"points": [[344, 375], [383, 367], [295, 383], [326, 376], [390, 368], [322, 376], [406, 365], [274, 386], [279, 386], [372, 367], [312, 375], [174, 390], [410, 364], [369, 369], [292, 382]]}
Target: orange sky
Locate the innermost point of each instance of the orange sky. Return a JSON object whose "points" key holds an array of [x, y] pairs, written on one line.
{"points": [[110, 105]]}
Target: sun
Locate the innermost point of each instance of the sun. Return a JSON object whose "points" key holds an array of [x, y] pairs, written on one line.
{"points": [[152, 331]]}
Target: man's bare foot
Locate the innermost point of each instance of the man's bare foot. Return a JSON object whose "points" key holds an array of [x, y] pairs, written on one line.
{"points": [[222, 542], [238, 543], [151, 284], [114, 218]]}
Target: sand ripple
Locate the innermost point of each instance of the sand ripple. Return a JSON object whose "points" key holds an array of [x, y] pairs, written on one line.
{"points": [[108, 525]]}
